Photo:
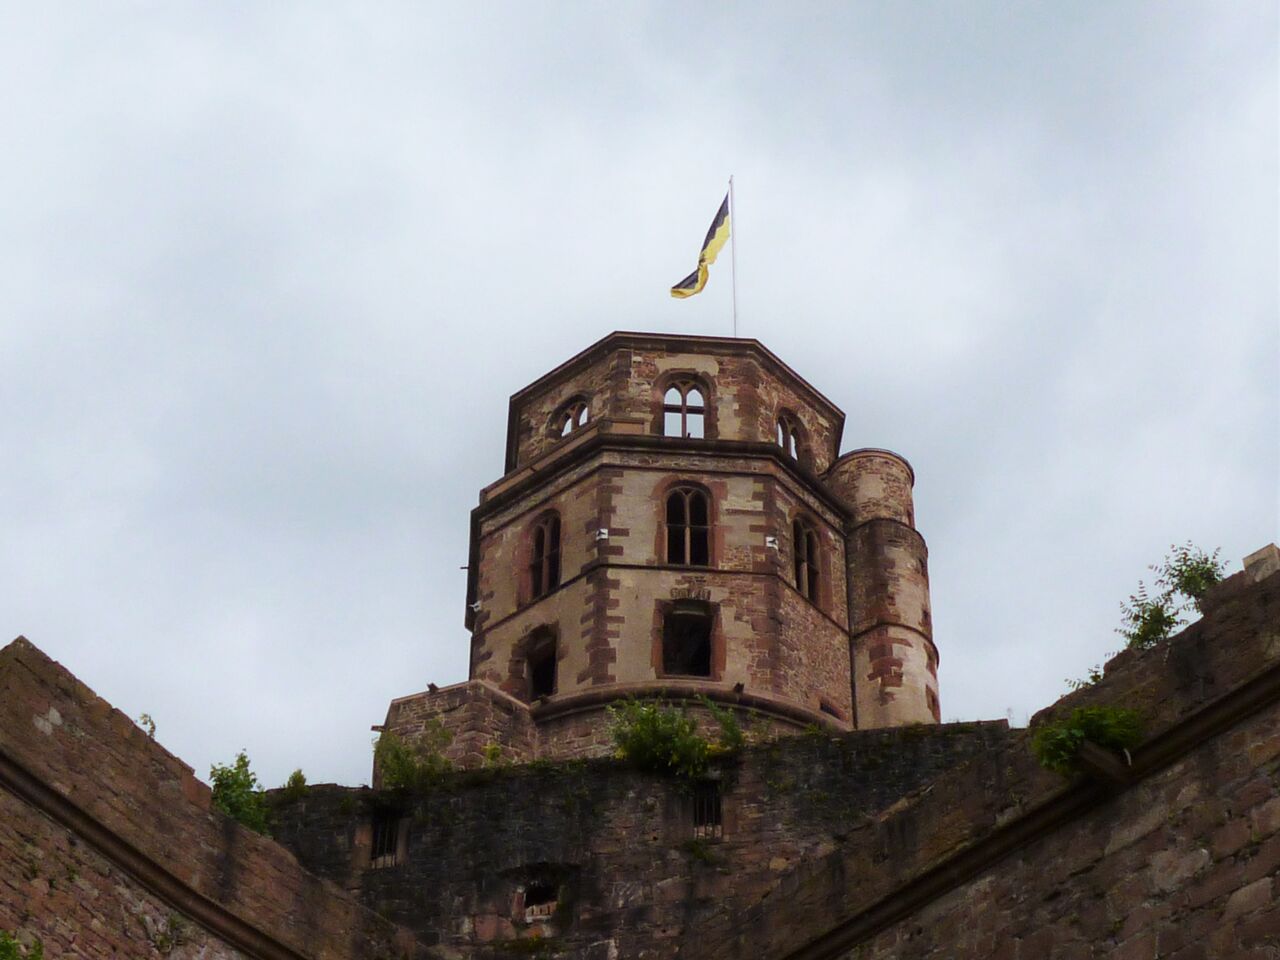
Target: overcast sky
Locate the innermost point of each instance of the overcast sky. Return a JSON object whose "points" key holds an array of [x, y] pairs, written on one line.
{"points": [[269, 273]]}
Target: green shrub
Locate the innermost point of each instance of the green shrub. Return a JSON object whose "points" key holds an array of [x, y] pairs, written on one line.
{"points": [[295, 788], [10, 949], [661, 738], [237, 794], [658, 737], [1056, 745], [416, 766], [1190, 571], [1182, 580], [732, 737]]}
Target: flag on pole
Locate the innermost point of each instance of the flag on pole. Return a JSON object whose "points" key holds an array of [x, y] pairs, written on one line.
{"points": [[717, 236]]}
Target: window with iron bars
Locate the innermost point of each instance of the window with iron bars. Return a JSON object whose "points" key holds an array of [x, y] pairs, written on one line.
{"points": [[708, 823], [386, 841]]}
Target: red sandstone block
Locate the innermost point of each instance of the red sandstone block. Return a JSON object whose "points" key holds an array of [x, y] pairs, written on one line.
{"points": [[1141, 947], [1221, 880], [1261, 929], [1266, 818], [1247, 899], [1255, 792], [1227, 839], [1264, 862]]}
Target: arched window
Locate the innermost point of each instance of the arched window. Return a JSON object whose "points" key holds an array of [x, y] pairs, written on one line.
{"points": [[541, 660], [544, 556], [572, 416], [788, 435], [684, 410], [688, 527], [804, 552]]}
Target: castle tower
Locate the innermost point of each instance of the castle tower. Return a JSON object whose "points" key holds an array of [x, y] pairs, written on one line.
{"points": [[675, 520]]}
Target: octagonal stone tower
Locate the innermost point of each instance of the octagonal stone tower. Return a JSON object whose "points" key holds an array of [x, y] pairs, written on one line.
{"points": [[675, 520]]}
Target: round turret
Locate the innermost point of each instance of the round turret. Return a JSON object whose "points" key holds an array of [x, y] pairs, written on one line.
{"points": [[895, 677]]}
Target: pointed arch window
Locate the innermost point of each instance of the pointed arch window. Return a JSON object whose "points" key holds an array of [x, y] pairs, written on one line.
{"points": [[544, 556], [572, 416], [688, 527], [788, 435], [684, 410], [804, 551]]}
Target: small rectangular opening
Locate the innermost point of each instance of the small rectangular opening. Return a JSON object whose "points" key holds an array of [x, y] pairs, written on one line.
{"points": [[386, 841], [540, 901], [708, 823], [686, 642]]}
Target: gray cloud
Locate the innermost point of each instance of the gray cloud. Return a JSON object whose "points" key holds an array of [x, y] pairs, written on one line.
{"points": [[271, 273]]}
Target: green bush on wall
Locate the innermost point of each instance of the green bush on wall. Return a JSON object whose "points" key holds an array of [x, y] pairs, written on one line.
{"points": [[661, 738], [10, 949], [236, 793], [417, 766], [1056, 745]]}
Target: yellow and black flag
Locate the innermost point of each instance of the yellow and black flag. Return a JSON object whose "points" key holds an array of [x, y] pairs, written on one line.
{"points": [[717, 236]]}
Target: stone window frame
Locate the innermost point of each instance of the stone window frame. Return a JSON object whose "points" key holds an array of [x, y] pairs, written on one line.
{"points": [[535, 646], [392, 852], [687, 489], [707, 803], [807, 559], [789, 434], [684, 380], [677, 607], [543, 569], [570, 417]]}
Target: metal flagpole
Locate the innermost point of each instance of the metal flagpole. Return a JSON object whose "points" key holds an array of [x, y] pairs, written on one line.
{"points": [[733, 251]]}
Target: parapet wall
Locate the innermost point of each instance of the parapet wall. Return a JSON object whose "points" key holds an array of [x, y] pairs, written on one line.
{"points": [[1175, 855], [109, 845], [621, 849]]}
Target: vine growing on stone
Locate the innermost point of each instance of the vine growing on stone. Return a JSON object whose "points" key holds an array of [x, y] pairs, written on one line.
{"points": [[1150, 616]]}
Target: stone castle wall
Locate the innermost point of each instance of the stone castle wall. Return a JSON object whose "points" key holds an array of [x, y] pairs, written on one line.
{"points": [[109, 846], [912, 843], [1174, 856], [619, 846]]}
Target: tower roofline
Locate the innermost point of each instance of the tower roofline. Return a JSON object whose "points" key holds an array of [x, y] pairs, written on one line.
{"points": [[664, 341]]}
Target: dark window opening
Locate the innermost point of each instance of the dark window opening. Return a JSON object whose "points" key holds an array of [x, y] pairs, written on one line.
{"points": [[686, 640], [688, 527], [386, 840], [683, 410], [542, 666], [540, 900], [708, 821], [573, 416], [804, 549], [544, 558]]}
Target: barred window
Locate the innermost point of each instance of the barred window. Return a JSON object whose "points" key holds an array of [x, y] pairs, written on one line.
{"points": [[544, 556], [708, 820], [684, 410], [386, 840], [688, 527]]}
